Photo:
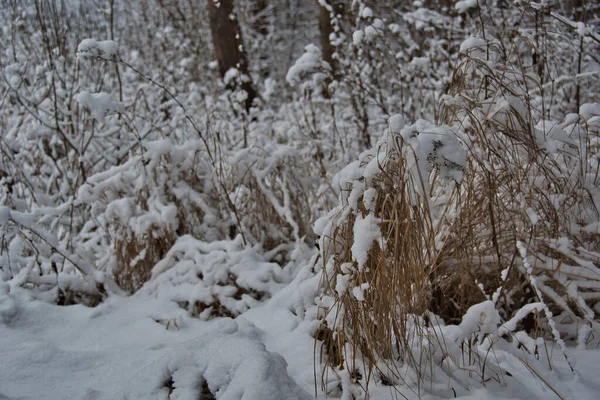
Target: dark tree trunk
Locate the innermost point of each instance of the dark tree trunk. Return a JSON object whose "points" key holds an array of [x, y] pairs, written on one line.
{"points": [[228, 44]]}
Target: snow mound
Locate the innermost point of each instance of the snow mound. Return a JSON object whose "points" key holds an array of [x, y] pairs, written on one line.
{"points": [[214, 279], [121, 350], [229, 361]]}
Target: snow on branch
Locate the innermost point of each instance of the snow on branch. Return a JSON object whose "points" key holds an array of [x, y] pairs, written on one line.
{"points": [[465, 5], [91, 48], [310, 62], [99, 104], [581, 28]]}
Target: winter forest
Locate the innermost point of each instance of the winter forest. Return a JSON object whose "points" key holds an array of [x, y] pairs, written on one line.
{"points": [[299, 199]]}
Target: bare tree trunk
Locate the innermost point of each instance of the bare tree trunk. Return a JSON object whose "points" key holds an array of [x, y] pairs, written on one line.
{"points": [[228, 44]]}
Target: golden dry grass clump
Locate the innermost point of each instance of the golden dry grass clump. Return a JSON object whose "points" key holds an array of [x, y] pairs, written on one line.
{"points": [[519, 226], [370, 303]]}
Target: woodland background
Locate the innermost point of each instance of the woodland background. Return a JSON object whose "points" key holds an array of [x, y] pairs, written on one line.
{"points": [[419, 179]]}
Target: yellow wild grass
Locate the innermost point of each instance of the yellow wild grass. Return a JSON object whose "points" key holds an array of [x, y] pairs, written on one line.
{"points": [[512, 230]]}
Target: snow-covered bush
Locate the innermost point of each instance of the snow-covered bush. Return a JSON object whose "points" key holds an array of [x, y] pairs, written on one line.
{"points": [[531, 183], [144, 204], [48, 148]]}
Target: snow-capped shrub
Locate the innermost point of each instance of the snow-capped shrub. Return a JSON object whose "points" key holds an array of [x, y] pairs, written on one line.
{"points": [[378, 245], [143, 205], [529, 189]]}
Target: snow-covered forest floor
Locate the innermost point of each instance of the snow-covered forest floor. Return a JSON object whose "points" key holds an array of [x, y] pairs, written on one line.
{"points": [[123, 349], [381, 200]]}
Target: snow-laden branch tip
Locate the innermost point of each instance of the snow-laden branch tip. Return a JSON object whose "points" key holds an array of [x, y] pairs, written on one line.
{"points": [[463, 6], [99, 104], [91, 48], [472, 42], [309, 62]]}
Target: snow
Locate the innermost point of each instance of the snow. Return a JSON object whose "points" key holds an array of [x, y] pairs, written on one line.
{"points": [[396, 123], [463, 6], [589, 110], [219, 210], [4, 215], [310, 62], [357, 37], [217, 277], [132, 347], [370, 195], [481, 318], [533, 216], [419, 61], [581, 29], [8, 308], [432, 147], [341, 285], [99, 104], [359, 291], [123, 350], [231, 75], [366, 232], [106, 49], [370, 32], [471, 43]]}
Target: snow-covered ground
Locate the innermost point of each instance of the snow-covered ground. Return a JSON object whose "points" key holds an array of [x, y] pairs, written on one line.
{"points": [[143, 347], [130, 347]]}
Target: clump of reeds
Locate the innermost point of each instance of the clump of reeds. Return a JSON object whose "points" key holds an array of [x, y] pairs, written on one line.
{"points": [[517, 231]]}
